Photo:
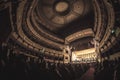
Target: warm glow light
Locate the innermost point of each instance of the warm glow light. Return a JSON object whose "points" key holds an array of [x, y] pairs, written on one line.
{"points": [[84, 56], [61, 7], [73, 56], [80, 34]]}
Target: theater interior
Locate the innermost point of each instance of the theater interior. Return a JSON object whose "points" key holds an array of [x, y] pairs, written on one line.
{"points": [[59, 39]]}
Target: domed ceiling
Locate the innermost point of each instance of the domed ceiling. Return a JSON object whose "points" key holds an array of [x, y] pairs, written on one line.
{"points": [[64, 15], [50, 25]]}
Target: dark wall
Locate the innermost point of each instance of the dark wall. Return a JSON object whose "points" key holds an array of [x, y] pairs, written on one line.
{"points": [[5, 25]]}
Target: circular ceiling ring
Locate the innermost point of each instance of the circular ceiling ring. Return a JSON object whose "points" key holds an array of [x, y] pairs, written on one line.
{"points": [[61, 8]]}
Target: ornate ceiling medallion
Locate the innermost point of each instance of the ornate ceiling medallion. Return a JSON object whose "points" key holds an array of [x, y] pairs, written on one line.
{"points": [[62, 8]]}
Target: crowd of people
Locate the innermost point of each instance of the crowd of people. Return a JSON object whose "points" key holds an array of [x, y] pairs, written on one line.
{"points": [[14, 66], [108, 70], [18, 67]]}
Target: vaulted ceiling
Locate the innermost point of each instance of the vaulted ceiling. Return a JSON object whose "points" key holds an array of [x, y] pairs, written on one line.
{"points": [[50, 25]]}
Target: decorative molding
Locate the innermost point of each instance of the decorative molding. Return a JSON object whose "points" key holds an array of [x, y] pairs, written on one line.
{"points": [[80, 34]]}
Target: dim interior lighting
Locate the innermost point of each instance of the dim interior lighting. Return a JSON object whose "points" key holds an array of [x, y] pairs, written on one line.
{"points": [[117, 32]]}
